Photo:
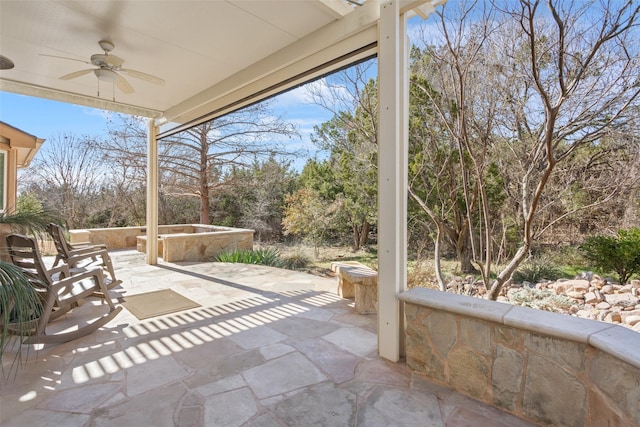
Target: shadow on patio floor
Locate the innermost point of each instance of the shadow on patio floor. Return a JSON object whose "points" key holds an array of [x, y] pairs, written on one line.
{"points": [[267, 347]]}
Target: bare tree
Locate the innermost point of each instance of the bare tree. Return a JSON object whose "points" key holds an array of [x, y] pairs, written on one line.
{"points": [[452, 154], [534, 90], [196, 159], [67, 176], [582, 64], [194, 162]]}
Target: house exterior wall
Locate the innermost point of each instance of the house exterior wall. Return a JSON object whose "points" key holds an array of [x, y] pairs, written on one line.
{"points": [[8, 177], [18, 148]]}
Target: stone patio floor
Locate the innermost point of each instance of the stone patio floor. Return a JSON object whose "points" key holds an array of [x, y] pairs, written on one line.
{"points": [[267, 347]]}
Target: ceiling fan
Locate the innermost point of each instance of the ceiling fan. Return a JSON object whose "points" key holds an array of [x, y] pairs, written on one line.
{"points": [[109, 69]]}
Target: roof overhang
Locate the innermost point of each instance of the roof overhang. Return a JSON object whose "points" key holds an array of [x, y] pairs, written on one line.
{"points": [[214, 56], [22, 143], [209, 53]]}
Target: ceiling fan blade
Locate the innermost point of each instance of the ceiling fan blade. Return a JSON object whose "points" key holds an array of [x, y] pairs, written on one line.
{"points": [[143, 76], [124, 85], [76, 74], [114, 61], [68, 59]]}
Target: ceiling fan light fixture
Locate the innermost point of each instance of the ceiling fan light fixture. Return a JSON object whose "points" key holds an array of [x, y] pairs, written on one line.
{"points": [[105, 75]]}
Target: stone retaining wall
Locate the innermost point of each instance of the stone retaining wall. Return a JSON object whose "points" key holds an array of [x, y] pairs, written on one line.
{"points": [[124, 237], [545, 367], [182, 242]]}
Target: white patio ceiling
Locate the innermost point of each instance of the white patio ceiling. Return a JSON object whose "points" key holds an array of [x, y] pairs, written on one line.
{"points": [[211, 53]]}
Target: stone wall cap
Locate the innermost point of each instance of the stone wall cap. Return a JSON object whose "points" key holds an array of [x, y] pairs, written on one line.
{"points": [[460, 304], [619, 342], [554, 324]]}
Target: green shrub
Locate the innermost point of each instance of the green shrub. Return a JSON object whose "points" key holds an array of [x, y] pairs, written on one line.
{"points": [[265, 256], [296, 261], [619, 253], [536, 270]]}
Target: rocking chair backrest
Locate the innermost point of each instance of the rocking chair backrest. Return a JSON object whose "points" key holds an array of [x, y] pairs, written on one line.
{"points": [[57, 234], [24, 253]]}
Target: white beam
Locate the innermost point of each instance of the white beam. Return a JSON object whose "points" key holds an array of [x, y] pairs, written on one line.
{"points": [[152, 193], [392, 178], [13, 86]]}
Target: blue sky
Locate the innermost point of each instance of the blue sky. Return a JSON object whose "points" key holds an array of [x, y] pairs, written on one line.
{"points": [[44, 118]]}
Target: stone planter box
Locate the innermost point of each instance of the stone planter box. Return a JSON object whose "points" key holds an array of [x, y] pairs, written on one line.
{"points": [[183, 242], [549, 368]]}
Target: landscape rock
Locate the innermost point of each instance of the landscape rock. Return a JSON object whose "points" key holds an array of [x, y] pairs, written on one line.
{"points": [[593, 297], [588, 296], [622, 300], [576, 285], [631, 320], [585, 314], [612, 317], [575, 295], [607, 289]]}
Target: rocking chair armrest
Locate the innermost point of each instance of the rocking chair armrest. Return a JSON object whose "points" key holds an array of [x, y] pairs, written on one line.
{"points": [[63, 269], [95, 273], [75, 258], [88, 251], [86, 245]]}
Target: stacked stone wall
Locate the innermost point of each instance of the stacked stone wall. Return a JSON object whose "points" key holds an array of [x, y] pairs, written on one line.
{"points": [[545, 367]]}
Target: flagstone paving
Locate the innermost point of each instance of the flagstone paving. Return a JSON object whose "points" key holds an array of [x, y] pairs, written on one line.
{"points": [[267, 347]]}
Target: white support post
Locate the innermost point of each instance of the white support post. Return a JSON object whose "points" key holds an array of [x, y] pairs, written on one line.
{"points": [[392, 178], [152, 194]]}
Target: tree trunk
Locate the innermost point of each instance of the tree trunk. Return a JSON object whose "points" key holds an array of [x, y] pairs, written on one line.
{"points": [[505, 274], [436, 259], [364, 236], [360, 235], [463, 253], [204, 206], [356, 237], [204, 180]]}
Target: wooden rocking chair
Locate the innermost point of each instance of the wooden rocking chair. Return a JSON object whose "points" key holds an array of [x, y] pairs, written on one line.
{"points": [[61, 292], [81, 257]]}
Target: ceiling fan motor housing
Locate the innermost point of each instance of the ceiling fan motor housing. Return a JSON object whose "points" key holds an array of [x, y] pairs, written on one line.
{"points": [[98, 59]]}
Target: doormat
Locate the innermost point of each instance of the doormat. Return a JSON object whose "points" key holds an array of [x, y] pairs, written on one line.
{"points": [[157, 303]]}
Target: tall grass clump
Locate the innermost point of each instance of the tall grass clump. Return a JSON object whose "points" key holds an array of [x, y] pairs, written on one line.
{"points": [[267, 256], [537, 270]]}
